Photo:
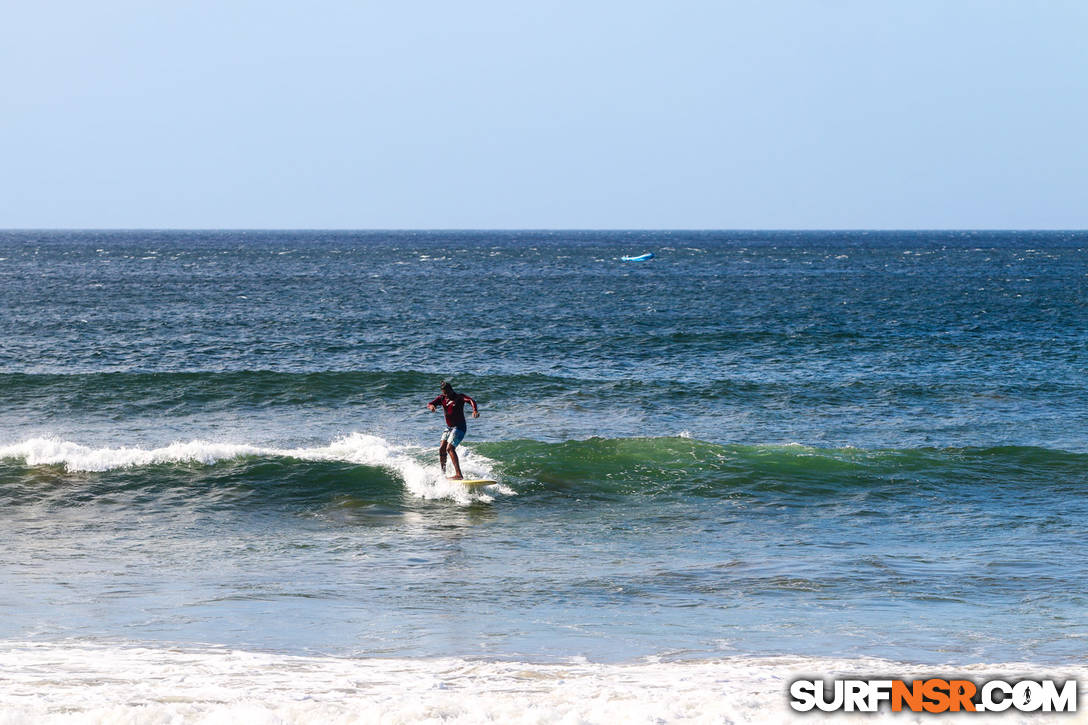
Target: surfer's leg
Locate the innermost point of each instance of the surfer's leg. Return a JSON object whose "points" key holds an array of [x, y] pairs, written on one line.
{"points": [[456, 464], [452, 440], [442, 454]]}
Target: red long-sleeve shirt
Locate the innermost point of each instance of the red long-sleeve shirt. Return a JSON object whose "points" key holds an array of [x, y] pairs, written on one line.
{"points": [[454, 408]]}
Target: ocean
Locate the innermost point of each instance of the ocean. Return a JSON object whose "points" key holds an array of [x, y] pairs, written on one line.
{"points": [[755, 455]]}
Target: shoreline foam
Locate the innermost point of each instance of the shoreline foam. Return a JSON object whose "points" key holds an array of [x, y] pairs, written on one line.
{"points": [[66, 683]]}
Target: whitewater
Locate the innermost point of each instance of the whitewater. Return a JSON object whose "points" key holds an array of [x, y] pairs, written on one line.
{"points": [[403, 461], [129, 685]]}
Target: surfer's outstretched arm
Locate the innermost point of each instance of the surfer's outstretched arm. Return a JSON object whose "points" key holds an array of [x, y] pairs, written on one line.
{"points": [[475, 410]]}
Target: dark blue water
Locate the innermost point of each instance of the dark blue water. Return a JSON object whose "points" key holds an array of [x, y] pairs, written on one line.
{"points": [[757, 442]]}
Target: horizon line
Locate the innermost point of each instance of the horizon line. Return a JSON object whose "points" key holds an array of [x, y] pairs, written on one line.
{"points": [[544, 229]]}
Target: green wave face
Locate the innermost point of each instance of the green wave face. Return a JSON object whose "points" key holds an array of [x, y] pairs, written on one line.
{"points": [[682, 466], [719, 408], [244, 482], [642, 468], [679, 465]]}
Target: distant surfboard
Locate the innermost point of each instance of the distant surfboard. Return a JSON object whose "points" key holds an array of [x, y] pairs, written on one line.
{"points": [[639, 258]]}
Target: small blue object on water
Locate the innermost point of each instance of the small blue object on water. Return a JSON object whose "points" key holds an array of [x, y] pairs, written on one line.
{"points": [[639, 258]]}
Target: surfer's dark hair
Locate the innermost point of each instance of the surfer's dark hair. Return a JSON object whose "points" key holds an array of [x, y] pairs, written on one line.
{"points": [[446, 386]]}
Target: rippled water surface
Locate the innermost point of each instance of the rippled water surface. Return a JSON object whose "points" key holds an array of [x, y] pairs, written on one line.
{"points": [[752, 444]]}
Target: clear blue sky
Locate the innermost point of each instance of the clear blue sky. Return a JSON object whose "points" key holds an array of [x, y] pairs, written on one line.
{"points": [[581, 114]]}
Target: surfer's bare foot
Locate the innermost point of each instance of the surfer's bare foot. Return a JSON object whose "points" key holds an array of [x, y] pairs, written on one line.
{"points": [[455, 478]]}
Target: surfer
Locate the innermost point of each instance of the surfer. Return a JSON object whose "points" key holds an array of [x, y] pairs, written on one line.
{"points": [[453, 404]]}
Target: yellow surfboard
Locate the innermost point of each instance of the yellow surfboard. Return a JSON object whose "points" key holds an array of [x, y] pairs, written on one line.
{"points": [[475, 481]]}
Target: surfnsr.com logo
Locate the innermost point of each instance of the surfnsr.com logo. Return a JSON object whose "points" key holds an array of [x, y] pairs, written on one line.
{"points": [[934, 695]]}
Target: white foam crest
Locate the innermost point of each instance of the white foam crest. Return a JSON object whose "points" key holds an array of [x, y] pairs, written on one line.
{"points": [[61, 683], [76, 457], [421, 479]]}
